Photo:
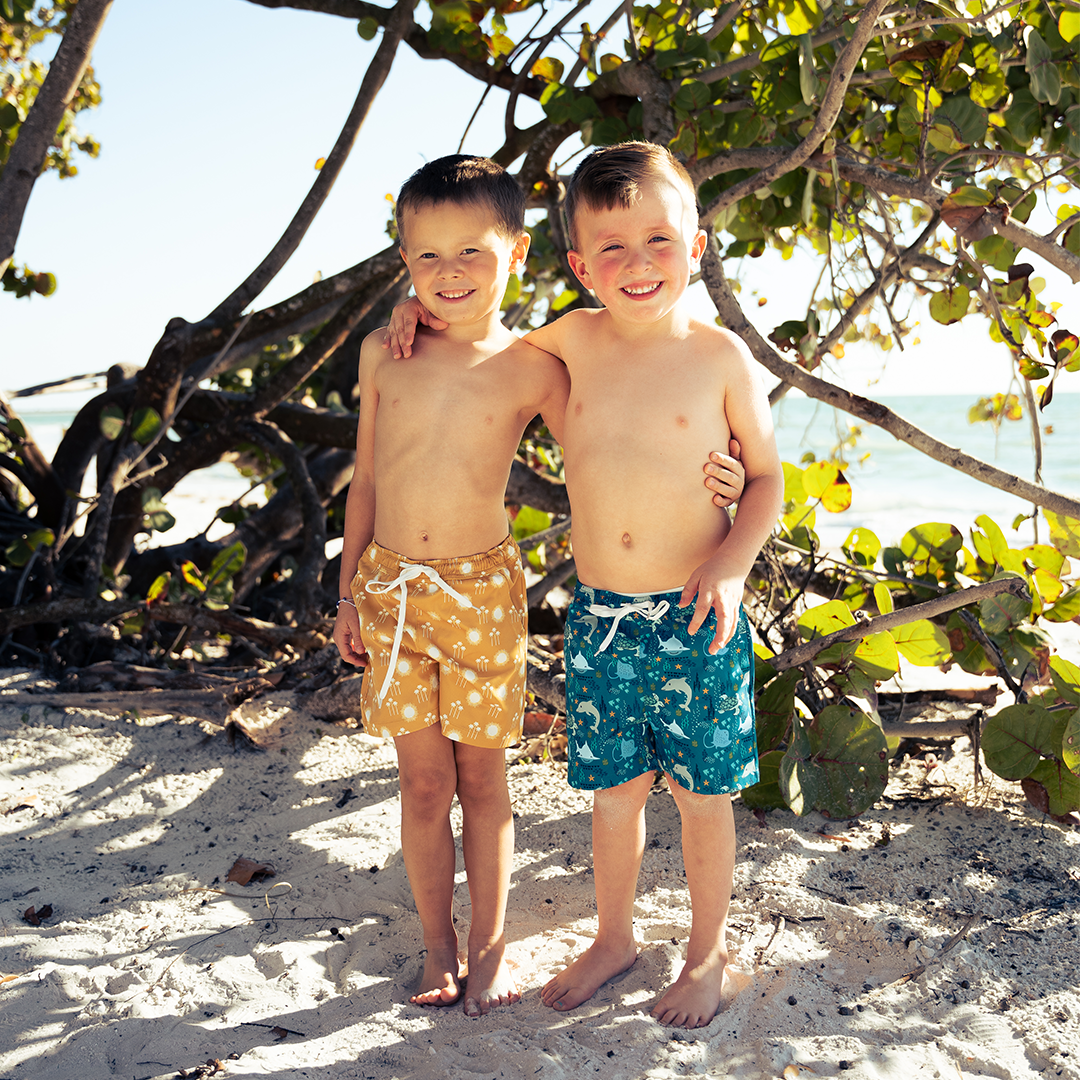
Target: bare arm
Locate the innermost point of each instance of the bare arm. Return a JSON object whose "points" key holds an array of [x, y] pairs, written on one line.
{"points": [[718, 582], [359, 505]]}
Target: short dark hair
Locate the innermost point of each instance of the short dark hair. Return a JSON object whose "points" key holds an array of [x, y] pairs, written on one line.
{"points": [[463, 179], [612, 176]]}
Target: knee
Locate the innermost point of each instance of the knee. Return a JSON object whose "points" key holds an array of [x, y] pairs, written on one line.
{"points": [[427, 791], [695, 804]]}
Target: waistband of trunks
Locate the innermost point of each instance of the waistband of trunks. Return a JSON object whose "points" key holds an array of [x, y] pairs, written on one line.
{"points": [[586, 594], [458, 568]]}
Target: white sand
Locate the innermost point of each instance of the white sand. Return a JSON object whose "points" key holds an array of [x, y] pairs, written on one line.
{"points": [[126, 826]]}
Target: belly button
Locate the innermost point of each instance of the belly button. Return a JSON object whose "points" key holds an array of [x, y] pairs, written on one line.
{"points": [[423, 536], [627, 541]]}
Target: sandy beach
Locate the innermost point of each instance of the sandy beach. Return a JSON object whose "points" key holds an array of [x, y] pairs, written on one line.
{"points": [[934, 936]]}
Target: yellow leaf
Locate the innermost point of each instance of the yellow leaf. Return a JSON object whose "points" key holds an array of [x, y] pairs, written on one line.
{"points": [[838, 350], [320, 163], [818, 476]]}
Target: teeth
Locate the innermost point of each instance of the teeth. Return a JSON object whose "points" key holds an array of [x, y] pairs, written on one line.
{"points": [[455, 294], [641, 290]]}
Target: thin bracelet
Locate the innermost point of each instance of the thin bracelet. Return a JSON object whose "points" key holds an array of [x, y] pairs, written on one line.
{"points": [[344, 600]]}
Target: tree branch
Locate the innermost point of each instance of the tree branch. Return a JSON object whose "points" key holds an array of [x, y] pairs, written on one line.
{"points": [[802, 654], [27, 158]]}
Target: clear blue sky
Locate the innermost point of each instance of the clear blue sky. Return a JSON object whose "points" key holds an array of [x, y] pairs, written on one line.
{"points": [[214, 113]]}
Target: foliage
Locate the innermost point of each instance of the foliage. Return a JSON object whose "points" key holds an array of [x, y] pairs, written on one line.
{"points": [[920, 155]]}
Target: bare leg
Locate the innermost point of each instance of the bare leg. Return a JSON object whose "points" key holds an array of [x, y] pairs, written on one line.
{"points": [[428, 776], [487, 839], [618, 829], [708, 842]]}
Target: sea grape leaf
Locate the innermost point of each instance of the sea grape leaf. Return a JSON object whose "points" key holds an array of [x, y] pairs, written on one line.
{"points": [[998, 613], [837, 764], [775, 706], [227, 562], [1064, 532], [825, 619], [883, 598], [818, 476], [1066, 676], [766, 793], [145, 425], [876, 656], [111, 422], [923, 643], [1070, 743], [156, 518], [1017, 738], [862, 546], [1060, 789]]}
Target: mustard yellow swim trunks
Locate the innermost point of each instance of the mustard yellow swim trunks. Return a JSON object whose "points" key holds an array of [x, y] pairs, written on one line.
{"points": [[446, 644]]}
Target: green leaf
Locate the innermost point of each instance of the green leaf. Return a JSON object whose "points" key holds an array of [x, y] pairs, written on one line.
{"points": [[1053, 788], [1017, 738], [824, 619], [775, 708], [1066, 676], [1065, 608], [766, 793], [156, 518], [1069, 25], [21, 550], [837, 764], [969, 119], [1045, 81], [923, 643], [998, 613], [932, 539], [145, 425], [226, 563], [159, 589], [692, 96], [367, 28], [111, 422], [1070, 742], [876, 656], [1064, 532], [950, 304], [862, 546], [809, 84], [883, 598]]}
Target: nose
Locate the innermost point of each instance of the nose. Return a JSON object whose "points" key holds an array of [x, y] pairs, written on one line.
{"points": [[449, 268], [640, 258]]}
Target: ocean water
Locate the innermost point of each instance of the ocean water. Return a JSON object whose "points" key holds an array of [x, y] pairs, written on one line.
{"points": [[894, 486]]}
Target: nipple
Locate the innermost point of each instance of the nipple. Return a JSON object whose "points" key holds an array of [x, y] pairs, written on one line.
{"points": [[626, 539]]}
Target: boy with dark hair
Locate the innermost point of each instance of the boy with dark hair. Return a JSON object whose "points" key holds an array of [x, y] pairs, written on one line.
{"points": [[651, 686], [432, 588]]}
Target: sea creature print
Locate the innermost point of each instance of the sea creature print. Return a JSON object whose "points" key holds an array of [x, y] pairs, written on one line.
{"points": [[672, 646], [683, 773], [680, 686], [584, 752]]}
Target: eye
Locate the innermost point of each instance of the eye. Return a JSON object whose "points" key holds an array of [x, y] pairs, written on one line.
{"points": [[427, 255], [658, 239], [470, 251], [611, 247]]}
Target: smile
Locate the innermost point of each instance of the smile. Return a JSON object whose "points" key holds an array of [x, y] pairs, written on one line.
{"points": [[642, 290], [455, 294]]}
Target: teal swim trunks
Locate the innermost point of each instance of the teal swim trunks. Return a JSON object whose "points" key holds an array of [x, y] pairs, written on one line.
{"points": [[642, 694]]}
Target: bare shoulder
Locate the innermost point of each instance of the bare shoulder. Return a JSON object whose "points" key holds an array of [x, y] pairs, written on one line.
{"points": [[720, 342], [567, 332], [372, 352]]}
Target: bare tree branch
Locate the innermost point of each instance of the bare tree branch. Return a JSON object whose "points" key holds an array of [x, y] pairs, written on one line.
{"points": [[801, 654], [27, 158]]}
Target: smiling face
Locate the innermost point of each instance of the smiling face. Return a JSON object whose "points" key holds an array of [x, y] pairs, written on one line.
{"points": [[459, 259], [638, 259]]}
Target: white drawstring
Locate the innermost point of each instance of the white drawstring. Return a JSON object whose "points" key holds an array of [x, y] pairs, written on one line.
{"points": [[653, 612], [409, 571]]}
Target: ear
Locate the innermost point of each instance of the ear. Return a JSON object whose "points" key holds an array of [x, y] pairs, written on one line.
{"points": [[697, 248], [519, 252], [577, 264], [404, 257]]}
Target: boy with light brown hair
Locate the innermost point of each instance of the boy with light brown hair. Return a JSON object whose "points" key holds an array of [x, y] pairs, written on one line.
{"points": [[653, 685]]}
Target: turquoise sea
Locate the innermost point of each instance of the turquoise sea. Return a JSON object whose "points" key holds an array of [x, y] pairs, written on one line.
{"points": [[896, 486], [893, 488]]}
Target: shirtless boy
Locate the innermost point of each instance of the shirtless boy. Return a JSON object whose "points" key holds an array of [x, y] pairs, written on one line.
{"points": [[437, 609], [654, 685]]}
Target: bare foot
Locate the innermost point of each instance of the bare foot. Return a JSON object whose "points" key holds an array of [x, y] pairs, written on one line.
{"points": [[440, 984], [593, 968], [491, 982], [694, 998]]}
